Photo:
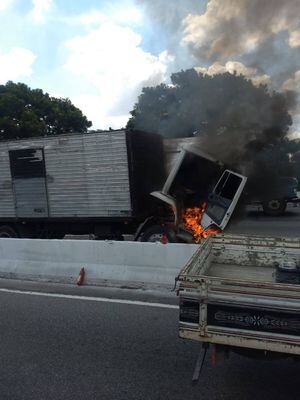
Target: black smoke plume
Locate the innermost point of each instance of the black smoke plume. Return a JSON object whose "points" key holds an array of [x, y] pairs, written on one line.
{"points": [[244, 126]]}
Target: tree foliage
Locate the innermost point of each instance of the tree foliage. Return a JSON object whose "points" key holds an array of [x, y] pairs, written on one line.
{"points": [[26, 112], [224, 105]]}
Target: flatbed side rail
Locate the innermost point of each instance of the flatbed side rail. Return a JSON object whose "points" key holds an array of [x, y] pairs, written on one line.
{"points": [[253, 240], [199, 260]]}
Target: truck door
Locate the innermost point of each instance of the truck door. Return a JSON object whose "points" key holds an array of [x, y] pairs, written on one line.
{"points": [[223, 199], [29, 182]]}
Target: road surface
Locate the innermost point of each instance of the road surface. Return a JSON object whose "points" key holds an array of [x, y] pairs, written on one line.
{"points": [[254, 222], [70, 348], [108, 346]]}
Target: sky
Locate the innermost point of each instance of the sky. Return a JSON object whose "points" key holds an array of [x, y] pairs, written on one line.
{"points": [[101, 53]]}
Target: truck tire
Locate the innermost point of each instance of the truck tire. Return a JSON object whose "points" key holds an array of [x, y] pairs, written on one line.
{"points": [[156, 233], [274, 207], [7, 231]]}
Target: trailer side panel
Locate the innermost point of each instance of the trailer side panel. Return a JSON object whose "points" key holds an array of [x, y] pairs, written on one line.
{"points": [[86, 175]]}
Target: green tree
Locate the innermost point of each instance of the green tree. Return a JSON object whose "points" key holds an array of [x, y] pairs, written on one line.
{"points": [[227, 111], [195, 102], [26, 112]]}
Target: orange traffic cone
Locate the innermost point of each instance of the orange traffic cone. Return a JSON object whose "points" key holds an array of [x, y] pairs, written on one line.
{"points": [[80, 278]]}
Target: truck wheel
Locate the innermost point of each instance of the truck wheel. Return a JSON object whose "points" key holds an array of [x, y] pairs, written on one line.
{"points": [[274, 207], [7, 231], [158, 233]]}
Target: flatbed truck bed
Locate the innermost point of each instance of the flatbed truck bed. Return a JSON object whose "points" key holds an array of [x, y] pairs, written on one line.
{"points": [[243, 292]]}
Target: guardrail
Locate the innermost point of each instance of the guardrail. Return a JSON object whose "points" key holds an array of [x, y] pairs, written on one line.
{"points": [[131, 264]]}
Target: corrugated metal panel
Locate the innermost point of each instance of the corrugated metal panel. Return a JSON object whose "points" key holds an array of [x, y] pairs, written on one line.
{"points": [[7, 205], [90, 176], [31, 198], [87, 175]]}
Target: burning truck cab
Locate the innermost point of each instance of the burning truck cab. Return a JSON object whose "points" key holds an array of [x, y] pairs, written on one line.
{"points": [[202, 194]]}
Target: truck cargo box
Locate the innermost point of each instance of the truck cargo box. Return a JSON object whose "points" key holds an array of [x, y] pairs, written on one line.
{"points": [[106, 174]]}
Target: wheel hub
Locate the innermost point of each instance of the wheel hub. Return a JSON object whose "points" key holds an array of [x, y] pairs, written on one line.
{"points": [[274, 204]]}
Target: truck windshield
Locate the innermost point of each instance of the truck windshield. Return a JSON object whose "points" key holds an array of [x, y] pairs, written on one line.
{"points": [[228, 185]]}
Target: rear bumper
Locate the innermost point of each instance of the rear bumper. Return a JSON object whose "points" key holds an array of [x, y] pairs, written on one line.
{"points": [[250, 340]]}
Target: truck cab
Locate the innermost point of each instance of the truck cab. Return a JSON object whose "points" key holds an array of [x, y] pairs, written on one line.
{"points": [[197, 179]]}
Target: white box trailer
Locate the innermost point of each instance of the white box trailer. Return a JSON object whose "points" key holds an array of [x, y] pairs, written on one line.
{"points": [[78, 183]]}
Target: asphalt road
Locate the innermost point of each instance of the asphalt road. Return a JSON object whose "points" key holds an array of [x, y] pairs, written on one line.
{"points": [[64, 348], [69, 348], [254, 222]]}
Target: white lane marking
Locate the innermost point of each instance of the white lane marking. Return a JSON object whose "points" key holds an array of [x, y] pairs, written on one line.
{"points": [[90, 298]]}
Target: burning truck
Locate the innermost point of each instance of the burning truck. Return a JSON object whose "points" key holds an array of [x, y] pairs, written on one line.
{"points": [[201, 193], [111, 183]]}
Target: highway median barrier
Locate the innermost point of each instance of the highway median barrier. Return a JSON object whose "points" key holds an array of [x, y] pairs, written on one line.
{"points": [[106, 263]]}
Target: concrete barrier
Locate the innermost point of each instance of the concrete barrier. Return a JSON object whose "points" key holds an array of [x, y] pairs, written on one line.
{"points": [[106, 262]]}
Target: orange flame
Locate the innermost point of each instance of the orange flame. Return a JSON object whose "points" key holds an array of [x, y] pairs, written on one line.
{"points": [[192, 220]]}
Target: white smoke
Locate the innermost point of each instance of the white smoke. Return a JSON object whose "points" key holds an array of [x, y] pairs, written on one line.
{"points": [[293, 83], [259, 39], [294, 39], [230, 28], [238, 68]]}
